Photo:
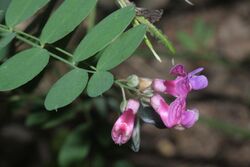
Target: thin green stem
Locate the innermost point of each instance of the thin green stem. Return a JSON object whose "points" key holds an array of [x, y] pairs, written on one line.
{"points": [[125, 86], [91, 20], [52, 54], [157, 33], [27, 35], [119, 83], [92, 67], [3, 26], [148, 43], [3, 29], [27, 41], [67, 62], [63, 51], [62, 60], [22, 36], [137, 92], [150, 46], [121, 3], [123, 93]]}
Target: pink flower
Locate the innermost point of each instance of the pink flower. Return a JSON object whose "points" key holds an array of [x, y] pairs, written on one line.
{"points": [[175, 114], [183, 84], [123, 127]]}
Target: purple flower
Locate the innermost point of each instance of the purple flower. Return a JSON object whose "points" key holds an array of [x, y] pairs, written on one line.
{"points": [[183, 84], [175, 114], [123, 127]]}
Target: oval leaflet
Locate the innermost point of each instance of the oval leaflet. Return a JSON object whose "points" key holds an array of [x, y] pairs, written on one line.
{"points": [[104, 33], [99, 83], [22, 68], [66, 89]]}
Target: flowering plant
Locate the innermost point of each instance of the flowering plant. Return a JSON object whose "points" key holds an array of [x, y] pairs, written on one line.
{"points": [[175, 115], [111, 41]]}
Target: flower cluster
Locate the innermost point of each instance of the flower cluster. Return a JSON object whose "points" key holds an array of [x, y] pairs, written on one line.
{"points": [[176, 114], [173, 115]]}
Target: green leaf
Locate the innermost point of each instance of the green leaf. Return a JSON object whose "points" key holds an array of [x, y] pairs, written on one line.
{"points": [[187, 41], [3, 7], [104, 33], [75, 148], [20, 10], [37, 118], [157, 34], [22, 68], [202, 31], [1, 15], [3, 53], [58, 119], [99, 83], [69, 15], [6, 39], [121, 48], [66, 89], [122, 163], [199, 28]]}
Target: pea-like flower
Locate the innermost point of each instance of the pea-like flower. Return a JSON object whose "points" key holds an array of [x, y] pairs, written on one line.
{"points": [[123, 127], [175, 114], [183, 84]]}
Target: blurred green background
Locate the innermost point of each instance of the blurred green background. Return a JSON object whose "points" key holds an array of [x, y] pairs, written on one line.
{"points": [[212, 34]]}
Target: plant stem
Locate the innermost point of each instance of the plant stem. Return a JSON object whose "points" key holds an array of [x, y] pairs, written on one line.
{"points": [[27, 38], [63, 51], [121, 3], [125, 86], [157, 33], [3, 29], [27, 41], [22, 36], [120, 84], [123, 93], [91, 20], [27, 35]]}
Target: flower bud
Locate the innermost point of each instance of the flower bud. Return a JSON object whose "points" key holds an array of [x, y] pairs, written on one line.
{"points": [[145, 83], [123, 127], [133, 81], [123, 105]]}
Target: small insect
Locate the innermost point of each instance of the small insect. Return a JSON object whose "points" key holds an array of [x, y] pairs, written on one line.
{"points": [[151, 15]]}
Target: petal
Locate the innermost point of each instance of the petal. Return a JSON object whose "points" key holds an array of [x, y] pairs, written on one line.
{"points": [[161, 107], [133, 105], [189, 118], [198, 82], [178, 87], [119, 134], [196, 71], [170, 86], [175, 111], [123, 127], [178, 70], [159, 104], [159, 86], [182, 87]]}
